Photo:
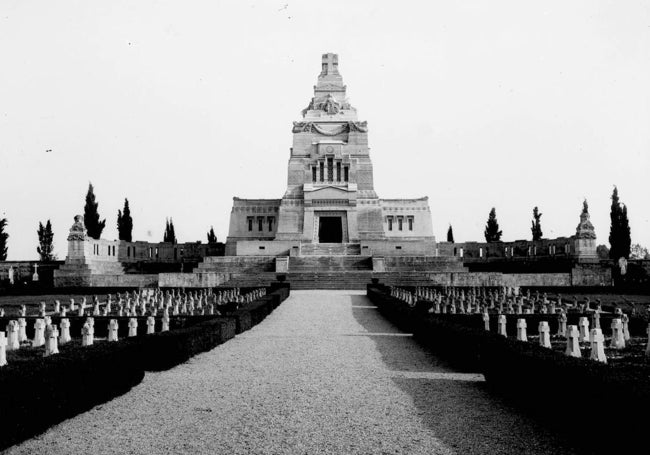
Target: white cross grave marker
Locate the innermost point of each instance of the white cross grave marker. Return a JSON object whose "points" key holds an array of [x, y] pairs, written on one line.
{"points": [[133, 327], [544, 334], [39, 333], [572, 343], [112, 330], [521, 330], [64, 337], [618, 341], [501, 325], [598, 346]]}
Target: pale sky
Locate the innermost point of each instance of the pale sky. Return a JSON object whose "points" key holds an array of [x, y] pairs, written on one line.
{"points": [[181, 105]]}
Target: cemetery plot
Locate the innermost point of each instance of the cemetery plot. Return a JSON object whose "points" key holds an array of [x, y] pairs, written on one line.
{"points": [[555, 357], [68, 358]]}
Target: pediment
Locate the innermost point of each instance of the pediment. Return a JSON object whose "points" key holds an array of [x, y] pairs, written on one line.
{"points": [[328, 192]]}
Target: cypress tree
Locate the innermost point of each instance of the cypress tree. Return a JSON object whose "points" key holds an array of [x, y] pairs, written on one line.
{"points": [[619, 231], [212, 238], [170, 235], [125, 222], [45, 241], [536, 227], [91, 215], [3, 239], [450, 234], [492, 232]]}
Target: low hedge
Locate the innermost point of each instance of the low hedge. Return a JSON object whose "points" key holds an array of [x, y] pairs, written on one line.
{"points": [[37, 393], [253, 313], [592, 403], [164, 350]]}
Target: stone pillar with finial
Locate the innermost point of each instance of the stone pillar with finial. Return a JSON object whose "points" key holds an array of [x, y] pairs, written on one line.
{"points": [[584, 242]]}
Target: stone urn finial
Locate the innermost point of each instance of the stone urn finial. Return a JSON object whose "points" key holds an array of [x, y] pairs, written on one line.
{"points": [[78, 229], [585, 229]]}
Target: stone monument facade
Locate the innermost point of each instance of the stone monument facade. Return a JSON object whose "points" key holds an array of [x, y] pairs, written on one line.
{"points": [[330, 197]]}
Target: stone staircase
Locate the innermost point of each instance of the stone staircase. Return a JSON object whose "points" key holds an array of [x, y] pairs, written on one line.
{"points": [[311, 264], [330, 249]]}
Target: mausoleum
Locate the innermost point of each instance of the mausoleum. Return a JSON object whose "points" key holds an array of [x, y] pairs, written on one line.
{"points": [[330, 204]]}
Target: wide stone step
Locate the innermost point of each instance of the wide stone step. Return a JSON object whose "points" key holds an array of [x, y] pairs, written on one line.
{"points": [[329, 249], [329, 263]]}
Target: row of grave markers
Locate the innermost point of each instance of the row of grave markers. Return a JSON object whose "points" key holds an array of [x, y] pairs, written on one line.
{"points": [[504, 300], [193, 303], [473, 303], [575, 334], [47, 334]]}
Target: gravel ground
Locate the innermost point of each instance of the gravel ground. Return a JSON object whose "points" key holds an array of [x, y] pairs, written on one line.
{"points": [[325, 373]]}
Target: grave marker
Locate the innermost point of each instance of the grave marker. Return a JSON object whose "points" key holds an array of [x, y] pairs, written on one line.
{"points": [[501, 325], [521, 330], [618, 341], [64, 337], [112, 330], [51, 345], [583, 325], [12, 336], [3, 349], [598, 346], [544, 334], [86, 335], [133, 327], [22, 330], [561, 330], [572, 342], [39, 333]]}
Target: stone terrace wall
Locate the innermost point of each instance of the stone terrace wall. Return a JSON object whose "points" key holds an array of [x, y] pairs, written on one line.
{"points": [[477, 251]]}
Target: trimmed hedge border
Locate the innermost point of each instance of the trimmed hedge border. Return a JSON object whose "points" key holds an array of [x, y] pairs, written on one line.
{"points": [[38, 392], [600, 407]]}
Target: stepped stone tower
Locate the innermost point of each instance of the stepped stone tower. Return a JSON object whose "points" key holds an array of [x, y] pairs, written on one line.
{"points": [[330, 197]]}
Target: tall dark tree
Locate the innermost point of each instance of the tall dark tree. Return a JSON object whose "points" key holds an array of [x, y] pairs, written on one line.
{"points": [[619, 231], [492, 232], [450, 234], [125, 222], [45, 242], [170, 235], [536, 227], [212, 238], [3, 239], [91, 215], [602, 251]]}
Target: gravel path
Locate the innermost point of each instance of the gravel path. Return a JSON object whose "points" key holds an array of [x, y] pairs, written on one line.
{"points": [[325, 373]]}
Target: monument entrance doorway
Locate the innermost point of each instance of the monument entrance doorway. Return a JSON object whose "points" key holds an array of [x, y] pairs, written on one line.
{"points": [[330, 229]]}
